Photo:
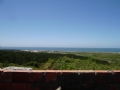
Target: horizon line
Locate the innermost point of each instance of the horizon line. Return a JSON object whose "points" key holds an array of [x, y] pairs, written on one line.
{"points": [[54, 47]]}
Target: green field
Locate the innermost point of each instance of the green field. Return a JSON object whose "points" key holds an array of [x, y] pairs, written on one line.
{"points": [[60, 60]]}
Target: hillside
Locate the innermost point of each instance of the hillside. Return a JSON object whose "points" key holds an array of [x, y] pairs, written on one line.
{"points": [[60, 60]]}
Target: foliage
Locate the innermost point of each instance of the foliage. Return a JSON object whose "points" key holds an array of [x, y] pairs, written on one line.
{"points": [[62, 61]]}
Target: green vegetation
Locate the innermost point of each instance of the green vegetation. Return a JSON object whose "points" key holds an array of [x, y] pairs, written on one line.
{"points": [[58, 60]]}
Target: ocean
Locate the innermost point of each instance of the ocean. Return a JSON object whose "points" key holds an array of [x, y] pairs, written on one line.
{"points": [[117, 50]]}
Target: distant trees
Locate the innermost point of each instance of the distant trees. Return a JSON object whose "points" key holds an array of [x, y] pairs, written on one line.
{"points": [[44, 60]]}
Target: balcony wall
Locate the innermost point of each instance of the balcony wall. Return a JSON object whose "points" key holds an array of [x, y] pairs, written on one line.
{"points": [[64, 79]]}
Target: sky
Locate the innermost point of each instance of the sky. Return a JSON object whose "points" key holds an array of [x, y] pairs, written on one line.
{"points": [[60, 23]]}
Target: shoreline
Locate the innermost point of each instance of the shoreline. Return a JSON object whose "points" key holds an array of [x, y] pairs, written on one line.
{"points": [[56, 51]]}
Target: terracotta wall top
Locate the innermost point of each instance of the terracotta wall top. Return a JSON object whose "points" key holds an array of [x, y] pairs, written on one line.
{"points": [[62, 71]]}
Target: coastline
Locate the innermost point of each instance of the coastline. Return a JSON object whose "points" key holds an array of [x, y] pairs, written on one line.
{"points": [[61, 49]]}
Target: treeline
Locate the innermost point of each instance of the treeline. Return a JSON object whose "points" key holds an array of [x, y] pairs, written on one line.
{"points": [[25, 58], [45, 60]]}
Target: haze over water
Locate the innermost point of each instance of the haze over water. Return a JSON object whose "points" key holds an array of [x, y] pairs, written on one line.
{"points": [[65, 49]]}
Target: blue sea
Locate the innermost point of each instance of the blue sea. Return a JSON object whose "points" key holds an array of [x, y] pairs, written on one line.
{"points": [[117, 50]]}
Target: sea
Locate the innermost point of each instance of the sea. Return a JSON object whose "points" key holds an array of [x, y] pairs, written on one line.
{"points": [[64, 49]]}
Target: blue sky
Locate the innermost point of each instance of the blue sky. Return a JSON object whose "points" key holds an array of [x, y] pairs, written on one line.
{"points": [[60, 23]]}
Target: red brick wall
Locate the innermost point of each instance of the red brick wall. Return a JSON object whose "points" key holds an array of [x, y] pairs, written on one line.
{"points": [[52, 79]]}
